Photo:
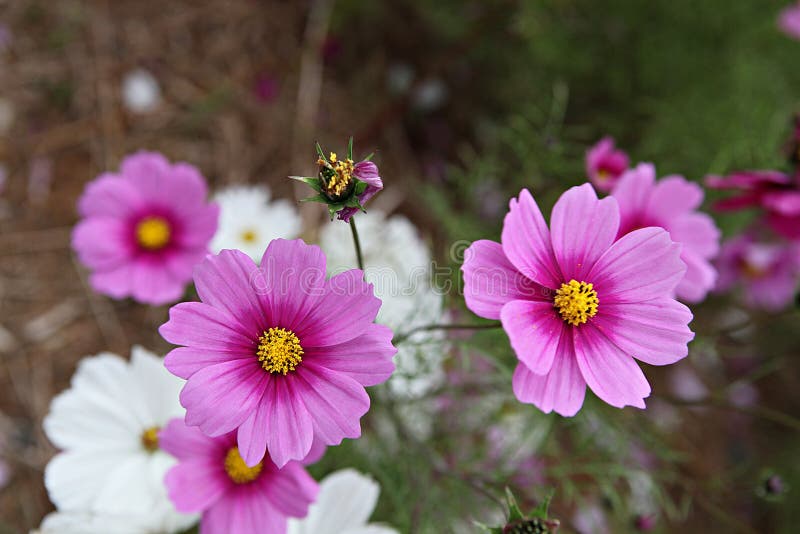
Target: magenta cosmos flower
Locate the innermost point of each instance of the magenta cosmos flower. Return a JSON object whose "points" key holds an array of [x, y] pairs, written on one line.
{"points": [[144, 229], [767, 271], [277, 351], [671, 204], [776, 192], [789, 20], [578, 305], [604, 164], [212, 478]]}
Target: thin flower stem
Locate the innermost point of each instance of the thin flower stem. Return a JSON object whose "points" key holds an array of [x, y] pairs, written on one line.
{"points": [[428, 327], [359, 257]]}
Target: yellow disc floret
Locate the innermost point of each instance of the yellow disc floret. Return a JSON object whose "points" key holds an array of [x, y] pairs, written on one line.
{"points": [[249, 236], [339, 181], [279, 350], [237, 470], [150, 439], [576, 302], [153, 233]]}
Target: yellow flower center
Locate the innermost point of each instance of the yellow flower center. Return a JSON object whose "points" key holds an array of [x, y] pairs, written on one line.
{"points": [[752, 271], [237, 470], [150, 439], [153, 233], [279, 350], [576, 302], [342, 177], [603, 175], [249, 236]]}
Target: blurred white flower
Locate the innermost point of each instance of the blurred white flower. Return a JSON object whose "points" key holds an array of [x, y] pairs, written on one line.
{"points": [[87, 523], [140, 91], [429, 95], [107, 426], [346, 500], [398, 262], [399, 77], [248, 221]]}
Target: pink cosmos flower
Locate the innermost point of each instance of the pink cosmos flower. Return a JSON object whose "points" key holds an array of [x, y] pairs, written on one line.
{"points": [[774, 191], [672, 205], [604, 164], [277, 351], [212, 478], [577, 304], [767, 271], [366, 171], [789, 20], [143, 230]]}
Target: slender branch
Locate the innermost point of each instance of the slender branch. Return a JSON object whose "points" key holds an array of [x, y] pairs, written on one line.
{"points": [[428, 327], [359, 257]]}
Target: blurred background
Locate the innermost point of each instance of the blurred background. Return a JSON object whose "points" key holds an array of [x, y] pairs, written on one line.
{"points": [[465, 103]]}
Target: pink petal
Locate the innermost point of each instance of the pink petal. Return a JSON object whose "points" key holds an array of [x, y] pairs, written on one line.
{"points": [[366, 359], [672, 197], [643, 265], [582, 228], [534, 329], [655, 332], [699, 279], [335, 401], [367, 171], [199, 325], [244, 510], [345, 311], [109, 196], [226, 282], [561, 390], [146, 171], [281, 424], [102, 243], [697, 233], [115, 283], [201, 225], [194, 485], [292, 491], [151, 283], [633, 192], [526, 242], [187, 442], [186, 183], [490, 280], [221, 397], [613, 375], [291, 281]]}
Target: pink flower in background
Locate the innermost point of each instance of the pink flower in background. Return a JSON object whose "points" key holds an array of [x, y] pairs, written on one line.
{"points": [[143, 230], [266, 88], [212, 478], [672, 204], [578, 305], [366, 171], [767, 271], [789, 20], [604, 164], [277, 351], [775, 192]]}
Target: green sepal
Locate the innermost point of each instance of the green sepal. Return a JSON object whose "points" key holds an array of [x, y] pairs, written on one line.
{"points": [[353, 202], [487, 528], [350, 148], [321, 153], [360, 187], [316, 198], [541, 510], [368, 158], [333, 209], [514, 513], [313, 183]]}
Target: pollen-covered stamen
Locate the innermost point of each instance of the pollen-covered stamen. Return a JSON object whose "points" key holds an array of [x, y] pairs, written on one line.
{"points": [[249, 236], [150, 439], [338, 176], [238, 471], [576, 302], [153, 233], [279, 350]]}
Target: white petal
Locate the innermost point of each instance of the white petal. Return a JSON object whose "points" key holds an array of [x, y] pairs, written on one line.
{"points": [[75, 479], [159, 388]]}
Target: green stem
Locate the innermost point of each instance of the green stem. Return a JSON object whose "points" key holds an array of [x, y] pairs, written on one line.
{"points": [[402, 337], [359, 257]]}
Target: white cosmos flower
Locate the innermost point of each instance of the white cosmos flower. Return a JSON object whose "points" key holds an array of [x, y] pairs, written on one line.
{"points": [[398, 262], [248, 221], [140, 91], [346, 500], [87, 523], [106, 425]]}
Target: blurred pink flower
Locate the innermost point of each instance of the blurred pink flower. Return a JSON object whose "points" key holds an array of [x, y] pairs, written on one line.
{"points": [[604, 164], [145, 228], [774, 191], [212, 478], [672, 204], [278, 352], [789, 21], [767, 271], [577, 304], [266, 88]]}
